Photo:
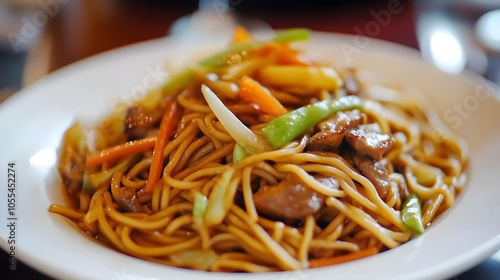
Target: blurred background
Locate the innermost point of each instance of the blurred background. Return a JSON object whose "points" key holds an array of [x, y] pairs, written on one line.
{"points": [[38, 37]]}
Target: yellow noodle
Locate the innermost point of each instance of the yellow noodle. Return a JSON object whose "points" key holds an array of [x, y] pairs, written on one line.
{"points": [[247, 195], [335, 245], [278, 231], [157, 250], [238, 265], [306, 239], [67, 212], [247, 238]]}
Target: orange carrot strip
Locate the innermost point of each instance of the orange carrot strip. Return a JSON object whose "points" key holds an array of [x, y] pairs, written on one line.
{"points": [[283, 53], [288, 56], [343, 258], [252, 91], [119, 151], [266, 50], [169, 120], [240, 35]]}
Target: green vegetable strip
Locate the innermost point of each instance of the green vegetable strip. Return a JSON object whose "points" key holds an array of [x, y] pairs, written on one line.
{"points": [[239, 153], [289, 126], [216, 208], [288, 36], [172, 87], [93, 181], [293, 35], [411, 214], [200, 204]]}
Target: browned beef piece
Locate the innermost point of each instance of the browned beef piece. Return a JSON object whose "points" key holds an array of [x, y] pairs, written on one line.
{"points": [[368, 140], [290, 199], [374, 171], [138, 119], [332, 131], [127, 200]]}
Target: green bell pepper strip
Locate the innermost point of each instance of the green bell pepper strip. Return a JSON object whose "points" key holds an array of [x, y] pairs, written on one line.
{"points": [[411, 214], [287, 36], [239, 153], [287, 127], [293, 35]]}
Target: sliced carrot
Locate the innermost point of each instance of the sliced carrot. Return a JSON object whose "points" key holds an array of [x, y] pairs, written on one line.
{"points": [[265, 50], [241, 35], [343, 258], [115, 152], [252, 91], [289, 56], [283, 53], [169, 121]]}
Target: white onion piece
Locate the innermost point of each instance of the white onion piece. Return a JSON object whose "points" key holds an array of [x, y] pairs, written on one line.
{"points": [[248, 140]]}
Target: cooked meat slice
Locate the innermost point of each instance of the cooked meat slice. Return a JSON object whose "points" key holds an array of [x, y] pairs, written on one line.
{"points": [[374, 171], [290, 199], [368, 140], [138, 118], [127, 200], [325, 141], [332, 131]]}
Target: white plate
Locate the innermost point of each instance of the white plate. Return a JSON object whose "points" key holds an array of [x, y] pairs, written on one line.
{"points": [[33, 122]]}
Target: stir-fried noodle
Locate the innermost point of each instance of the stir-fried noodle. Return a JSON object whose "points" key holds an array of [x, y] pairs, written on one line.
{"points": [[260, 159]]}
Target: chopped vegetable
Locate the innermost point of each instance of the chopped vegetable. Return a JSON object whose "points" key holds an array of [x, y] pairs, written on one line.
{"points": [[289, 56], [411, 214], [119, 151], [240, 35], [172, 87], [287, 127], [95, 180], [248, 140], [239, 153], [200, 204], [252, 91], [425, 174], [227, 57], [306, 79], [110, 131], [75, 142], [293, 35], [218, 203], [224, 89], [170, 119], [195, 259], [343, 258]]}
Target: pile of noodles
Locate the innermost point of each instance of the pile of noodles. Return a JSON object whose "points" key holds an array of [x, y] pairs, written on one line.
{"points": [[198, 157]]}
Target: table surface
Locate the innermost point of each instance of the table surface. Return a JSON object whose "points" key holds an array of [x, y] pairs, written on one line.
{"points": [[82, 28]]}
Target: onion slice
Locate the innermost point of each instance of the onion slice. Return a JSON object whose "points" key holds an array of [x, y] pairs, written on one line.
{"points": [[247, 139]]}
